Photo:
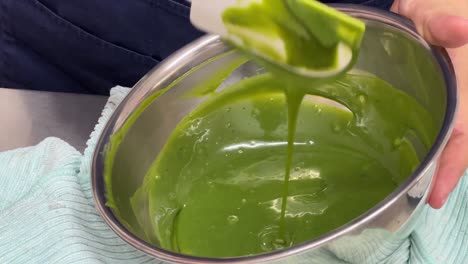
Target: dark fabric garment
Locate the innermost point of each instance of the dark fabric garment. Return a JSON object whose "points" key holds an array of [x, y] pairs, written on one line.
{"points": [[89, 46]]}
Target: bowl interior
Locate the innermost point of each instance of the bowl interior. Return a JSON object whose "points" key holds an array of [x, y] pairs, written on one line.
{"points": [[396, 56]]}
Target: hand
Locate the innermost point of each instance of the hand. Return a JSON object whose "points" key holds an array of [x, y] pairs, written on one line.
{"points": [[445, 23]]}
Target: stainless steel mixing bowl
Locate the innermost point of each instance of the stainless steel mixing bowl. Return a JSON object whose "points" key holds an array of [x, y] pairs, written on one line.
{"points": [[391, 50]]}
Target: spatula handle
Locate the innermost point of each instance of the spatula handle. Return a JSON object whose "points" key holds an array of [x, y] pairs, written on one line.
{"points": [[206, 15]]}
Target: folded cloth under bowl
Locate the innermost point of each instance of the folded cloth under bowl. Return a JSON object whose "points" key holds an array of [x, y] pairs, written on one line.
{"points": [[47, 214]]}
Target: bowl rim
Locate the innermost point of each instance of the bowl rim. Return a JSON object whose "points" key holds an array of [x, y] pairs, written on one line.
{"points": [[140, 91]]}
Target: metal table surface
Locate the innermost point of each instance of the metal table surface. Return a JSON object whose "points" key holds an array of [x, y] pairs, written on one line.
{"points": [[27, 117]]}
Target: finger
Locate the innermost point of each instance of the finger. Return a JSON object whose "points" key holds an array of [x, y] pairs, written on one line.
{"points": [[447, 31], [452, 164], [395, 6], [404, 7]]}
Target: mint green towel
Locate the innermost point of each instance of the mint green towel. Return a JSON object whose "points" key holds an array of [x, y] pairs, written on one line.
{"points": [[47, 214]]}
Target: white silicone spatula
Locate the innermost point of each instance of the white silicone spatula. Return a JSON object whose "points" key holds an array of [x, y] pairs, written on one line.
{"points": [[207, 15]]}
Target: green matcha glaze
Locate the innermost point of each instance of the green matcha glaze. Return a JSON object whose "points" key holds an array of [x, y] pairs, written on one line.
{"points": [[218, 188], [207, 87]]}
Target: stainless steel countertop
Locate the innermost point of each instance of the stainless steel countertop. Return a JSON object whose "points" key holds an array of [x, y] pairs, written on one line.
{"points": [[27, 117]]}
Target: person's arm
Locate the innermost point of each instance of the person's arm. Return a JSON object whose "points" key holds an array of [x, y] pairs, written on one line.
{"points": [[445, 23]]}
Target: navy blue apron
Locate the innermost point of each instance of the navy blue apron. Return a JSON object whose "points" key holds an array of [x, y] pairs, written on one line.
{"points": [[89, 46]]}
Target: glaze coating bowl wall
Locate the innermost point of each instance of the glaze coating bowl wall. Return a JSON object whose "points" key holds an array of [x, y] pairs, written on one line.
{"points": [[391, 49]]}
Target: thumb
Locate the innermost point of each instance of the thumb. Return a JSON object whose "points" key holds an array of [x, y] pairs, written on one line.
{"points": [[447, 31], [452, 164]]}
